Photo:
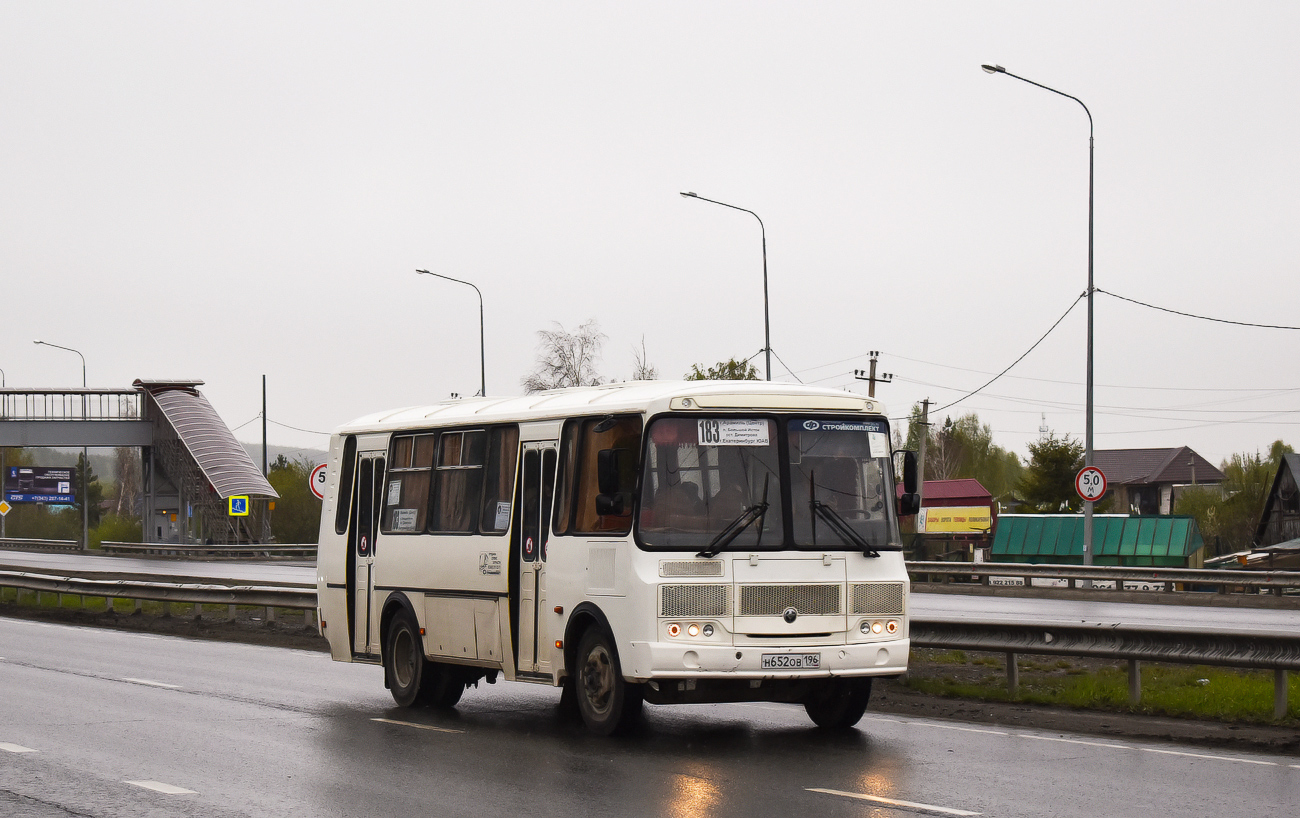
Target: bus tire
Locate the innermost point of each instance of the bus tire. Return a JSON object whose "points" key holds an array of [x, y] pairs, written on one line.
{"points": [[838, 703], [609, 705], [404, 661], [441, 687]]}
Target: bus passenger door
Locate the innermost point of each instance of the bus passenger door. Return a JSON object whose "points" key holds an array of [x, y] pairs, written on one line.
{"points": [[532, 529], [361, 545]]}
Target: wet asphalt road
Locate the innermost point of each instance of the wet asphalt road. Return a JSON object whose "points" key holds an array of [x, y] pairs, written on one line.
{"points": [[257, 731]]}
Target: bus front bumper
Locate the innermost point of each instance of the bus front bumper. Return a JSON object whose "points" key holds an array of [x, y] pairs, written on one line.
{"points": [[667, 660]]}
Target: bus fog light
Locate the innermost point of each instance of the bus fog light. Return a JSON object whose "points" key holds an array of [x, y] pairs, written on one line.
{"points": [[892, 627], [693, 629], [674, 630], [708, 631], [876, 627]]}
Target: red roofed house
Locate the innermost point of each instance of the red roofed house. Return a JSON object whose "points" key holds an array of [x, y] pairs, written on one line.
{"points": [[956, 518]]}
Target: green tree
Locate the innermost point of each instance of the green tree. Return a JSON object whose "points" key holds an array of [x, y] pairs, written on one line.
{"points": [[1047, 483], [728, 370], [93, 490], [964, 448], [296, 518], [1228, 514]]}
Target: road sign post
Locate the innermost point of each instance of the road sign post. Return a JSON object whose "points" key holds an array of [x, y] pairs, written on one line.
{"points": [[1090, 482], [317, 482]]}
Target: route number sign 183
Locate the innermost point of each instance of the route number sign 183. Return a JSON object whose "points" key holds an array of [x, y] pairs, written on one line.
{"points": [[1090, 483]]}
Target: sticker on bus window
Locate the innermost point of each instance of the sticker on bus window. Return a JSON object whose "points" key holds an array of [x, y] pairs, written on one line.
{"points": [[404, 519], [502, 521], [725, 432], [395, 492], [879, 444]]}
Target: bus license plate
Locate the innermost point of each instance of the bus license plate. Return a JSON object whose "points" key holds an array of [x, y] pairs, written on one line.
{"points": [[791, 661]]}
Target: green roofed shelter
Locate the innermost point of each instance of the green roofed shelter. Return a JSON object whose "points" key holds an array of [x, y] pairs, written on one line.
{"points": [[1162, 541]]}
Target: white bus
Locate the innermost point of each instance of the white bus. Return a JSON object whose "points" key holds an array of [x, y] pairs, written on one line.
{"points": [[654, 541]]}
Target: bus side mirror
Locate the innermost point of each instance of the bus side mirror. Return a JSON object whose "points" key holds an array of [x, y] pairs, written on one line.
{"points": [[910, 502], [609, 466], [608, 463], [909, 472]]}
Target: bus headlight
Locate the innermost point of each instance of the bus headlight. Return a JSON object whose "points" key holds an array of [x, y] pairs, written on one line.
{"points": [[876, 627], [708, 631], [693, 629]]}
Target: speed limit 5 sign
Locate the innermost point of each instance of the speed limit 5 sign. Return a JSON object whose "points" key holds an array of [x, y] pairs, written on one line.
{"points": [[1090, 483]]}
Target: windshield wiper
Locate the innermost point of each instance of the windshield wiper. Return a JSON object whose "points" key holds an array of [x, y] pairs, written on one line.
{"points": [[737, 526], [841, 527]]}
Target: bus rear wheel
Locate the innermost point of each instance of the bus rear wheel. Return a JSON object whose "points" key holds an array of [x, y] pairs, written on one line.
{"points": [[404, 662], [441, 686], [838, 703], [608, 704]]}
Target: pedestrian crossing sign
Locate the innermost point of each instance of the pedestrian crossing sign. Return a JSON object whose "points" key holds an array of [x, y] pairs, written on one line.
{"points": [[238, 506]]}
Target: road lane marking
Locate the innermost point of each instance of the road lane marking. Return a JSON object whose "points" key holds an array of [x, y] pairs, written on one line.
{"points": [[893, 802], [158, 786], [15, 748], [420, 726], [1077, 741], [969, 729], [1212, 758], [151, 684]]}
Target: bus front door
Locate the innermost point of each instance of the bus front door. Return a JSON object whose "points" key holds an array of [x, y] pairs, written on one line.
{"points": [[361, 543], [532, 530]]}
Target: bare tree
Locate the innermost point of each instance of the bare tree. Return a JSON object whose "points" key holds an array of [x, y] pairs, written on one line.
{"points": [[566, 358], [643, 370]]}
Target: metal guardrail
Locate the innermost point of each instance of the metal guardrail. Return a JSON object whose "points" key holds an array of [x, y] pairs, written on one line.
{"points": [[244, 550], [31, 544], [1273, 651], [1224, 580]]}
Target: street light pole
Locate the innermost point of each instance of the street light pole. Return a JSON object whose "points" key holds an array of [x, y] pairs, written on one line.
{"points": [[85, 457], [482, 350], [1088, 412], [767, 323]]}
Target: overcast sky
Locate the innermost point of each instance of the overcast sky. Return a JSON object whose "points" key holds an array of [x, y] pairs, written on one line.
{"points": [[225, 190]]}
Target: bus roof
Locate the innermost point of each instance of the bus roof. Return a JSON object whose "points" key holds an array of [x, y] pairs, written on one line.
{"points": [[613, 398]]}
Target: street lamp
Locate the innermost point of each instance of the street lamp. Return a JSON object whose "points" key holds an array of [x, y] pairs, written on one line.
{"points": [[1087, 442], [85, 458], [767, 324], [482, 353]]}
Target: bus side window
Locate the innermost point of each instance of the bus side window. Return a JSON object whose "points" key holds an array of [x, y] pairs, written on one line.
{"points": [[499, 482], [406, 495], [343, 510], [583, 442], [458, 481]]}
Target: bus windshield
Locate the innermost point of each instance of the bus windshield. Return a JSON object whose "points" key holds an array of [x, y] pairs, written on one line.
{"points": [[716, 484]]}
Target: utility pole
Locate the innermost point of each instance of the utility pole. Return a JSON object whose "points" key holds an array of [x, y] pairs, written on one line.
{"points": [[871, 378], [264, 471]]}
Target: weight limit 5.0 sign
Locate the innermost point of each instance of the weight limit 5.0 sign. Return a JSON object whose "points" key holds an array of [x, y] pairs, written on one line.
{"points": [[1090, 483]]}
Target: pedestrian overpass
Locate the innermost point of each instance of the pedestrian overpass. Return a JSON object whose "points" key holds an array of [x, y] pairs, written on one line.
{"points": [[190, 462]]}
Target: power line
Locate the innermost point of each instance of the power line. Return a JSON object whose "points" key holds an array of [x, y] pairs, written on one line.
{"points": [[1193, 315], [1022, 357], [295, 428]]}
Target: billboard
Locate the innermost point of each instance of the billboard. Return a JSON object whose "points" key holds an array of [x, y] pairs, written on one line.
{"points": [[40, 484], [955, 520]]}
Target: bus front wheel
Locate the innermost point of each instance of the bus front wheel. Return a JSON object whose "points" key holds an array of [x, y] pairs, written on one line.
{"points": [[404, 661], [838, 703], [608, 703]]}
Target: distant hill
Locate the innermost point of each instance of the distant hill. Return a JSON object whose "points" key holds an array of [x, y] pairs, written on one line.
{"points": [[313, 456]]}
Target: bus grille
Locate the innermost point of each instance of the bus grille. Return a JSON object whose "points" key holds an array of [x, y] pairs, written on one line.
{"points": [[772, 600], [694, 600], [876, 598], [690, 568]]}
